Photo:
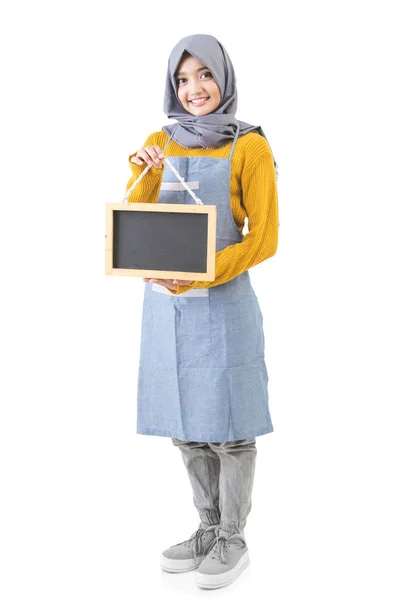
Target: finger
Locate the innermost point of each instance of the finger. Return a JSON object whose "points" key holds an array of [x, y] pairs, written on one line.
{"points": [[143, 155], [165, 282], [160, 152], [182, 282], [155, 280], [136, 160], [154, 156]]}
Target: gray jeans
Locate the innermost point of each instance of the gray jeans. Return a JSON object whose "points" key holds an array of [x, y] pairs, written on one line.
{"points": [[221, 475]]}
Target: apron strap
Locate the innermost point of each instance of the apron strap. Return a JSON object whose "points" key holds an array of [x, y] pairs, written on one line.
{"points": [[170, 137], [234, 139]]}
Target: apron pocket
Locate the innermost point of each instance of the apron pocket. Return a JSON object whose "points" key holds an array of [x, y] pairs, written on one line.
{"points": [[193, 328]]}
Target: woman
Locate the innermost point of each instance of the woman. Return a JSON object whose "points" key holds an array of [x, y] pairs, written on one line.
{"points": [[202, 374]]}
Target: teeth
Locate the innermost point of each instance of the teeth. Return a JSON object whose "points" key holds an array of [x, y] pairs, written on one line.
{"points": [[198, 101]]}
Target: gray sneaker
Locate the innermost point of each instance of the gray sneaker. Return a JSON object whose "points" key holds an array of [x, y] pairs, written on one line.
{"points": [[187, 555], [225, 561]]}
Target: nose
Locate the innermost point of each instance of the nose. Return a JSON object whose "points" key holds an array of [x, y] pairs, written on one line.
{"points": [[195, 87]]}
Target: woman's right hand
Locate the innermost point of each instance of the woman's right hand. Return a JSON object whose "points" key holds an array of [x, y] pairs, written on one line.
{"points": [[152, 155]]}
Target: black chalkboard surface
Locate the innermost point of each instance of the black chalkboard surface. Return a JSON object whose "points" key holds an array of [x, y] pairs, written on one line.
{"points": [[161, 240]]}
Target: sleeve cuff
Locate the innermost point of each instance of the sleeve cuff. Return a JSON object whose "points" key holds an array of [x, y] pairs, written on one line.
{"points": [[180, 289]]}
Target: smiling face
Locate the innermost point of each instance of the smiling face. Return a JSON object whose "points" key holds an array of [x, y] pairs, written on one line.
{"points": [[197, 88]]}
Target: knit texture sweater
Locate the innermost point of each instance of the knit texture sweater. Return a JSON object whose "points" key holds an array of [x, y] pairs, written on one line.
{"points": [[253, 193]]}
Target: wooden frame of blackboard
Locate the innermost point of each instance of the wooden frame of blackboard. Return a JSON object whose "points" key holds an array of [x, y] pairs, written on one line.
{"points": [[210, 210]]}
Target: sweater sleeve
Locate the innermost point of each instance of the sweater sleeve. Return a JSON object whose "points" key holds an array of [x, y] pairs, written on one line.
{"points": [[148, 188], [260, 200]]}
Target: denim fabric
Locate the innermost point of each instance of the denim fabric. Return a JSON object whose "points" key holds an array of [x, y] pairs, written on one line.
{"points": [[202, 373], [221, 476]]}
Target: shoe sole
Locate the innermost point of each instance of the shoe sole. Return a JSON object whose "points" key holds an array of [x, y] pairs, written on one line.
{"points": [[174, 565], [211, 582]]}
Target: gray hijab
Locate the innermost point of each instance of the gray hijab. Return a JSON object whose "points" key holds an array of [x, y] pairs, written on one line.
{"points": [[217, 128]]}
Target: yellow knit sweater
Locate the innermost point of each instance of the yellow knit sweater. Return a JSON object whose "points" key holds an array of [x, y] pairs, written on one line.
{"points": [[253, 194]]}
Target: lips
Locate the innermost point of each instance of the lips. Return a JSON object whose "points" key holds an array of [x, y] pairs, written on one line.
{"points": [[199, 101]]}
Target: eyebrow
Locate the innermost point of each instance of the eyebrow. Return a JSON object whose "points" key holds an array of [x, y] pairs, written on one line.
{"points": [[184, 73]]}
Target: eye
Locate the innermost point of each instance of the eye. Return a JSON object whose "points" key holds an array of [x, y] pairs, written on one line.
{"points": [[180, 80], [207, 74]]}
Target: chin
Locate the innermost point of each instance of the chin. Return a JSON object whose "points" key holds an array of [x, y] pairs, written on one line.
{"points": [[200, 113]]}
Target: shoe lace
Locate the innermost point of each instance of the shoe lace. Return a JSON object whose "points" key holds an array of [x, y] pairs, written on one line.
{"points": [[221, 544], [195, 539]]}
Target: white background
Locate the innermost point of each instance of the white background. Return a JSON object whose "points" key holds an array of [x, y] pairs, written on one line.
{"points": [[87, 505]]}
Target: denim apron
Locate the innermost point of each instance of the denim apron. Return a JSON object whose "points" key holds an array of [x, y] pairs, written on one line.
{"points": [[202, 373]]}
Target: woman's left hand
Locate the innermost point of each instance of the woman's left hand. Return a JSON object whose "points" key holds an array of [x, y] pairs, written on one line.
{"points": [[170, 284]]}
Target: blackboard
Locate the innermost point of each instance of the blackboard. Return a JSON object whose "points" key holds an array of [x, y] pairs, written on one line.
{"points": [[161, 240]]}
